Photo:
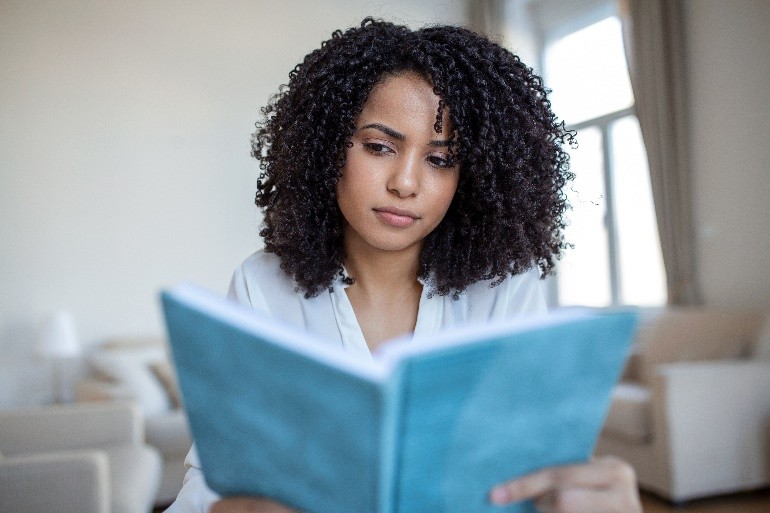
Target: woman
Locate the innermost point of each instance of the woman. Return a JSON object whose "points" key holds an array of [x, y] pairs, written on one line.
{"points": [[411, 181]]}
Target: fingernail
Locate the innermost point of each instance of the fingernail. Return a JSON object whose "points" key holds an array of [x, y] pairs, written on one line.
{"points": [[499, 495]]}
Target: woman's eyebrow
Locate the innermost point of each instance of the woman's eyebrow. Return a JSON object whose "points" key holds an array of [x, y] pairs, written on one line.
{"points": [[401, 137], [386, 130]]}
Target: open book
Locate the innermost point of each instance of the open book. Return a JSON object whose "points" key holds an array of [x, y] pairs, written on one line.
{"points": [[429, 426]]}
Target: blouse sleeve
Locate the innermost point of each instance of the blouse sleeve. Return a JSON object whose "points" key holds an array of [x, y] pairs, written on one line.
{"points": [[195, 496]]}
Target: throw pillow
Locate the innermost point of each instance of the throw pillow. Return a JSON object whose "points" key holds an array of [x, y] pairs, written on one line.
{"points": [[129, 367], [165, 374]]}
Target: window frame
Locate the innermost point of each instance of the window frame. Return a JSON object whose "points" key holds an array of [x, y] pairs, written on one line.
{"points": [[603, 124], [554, 19]]}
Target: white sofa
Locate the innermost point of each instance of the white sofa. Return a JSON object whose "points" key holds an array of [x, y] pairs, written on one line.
{"points": [[78, 459], [692, 414], [138, 369]]}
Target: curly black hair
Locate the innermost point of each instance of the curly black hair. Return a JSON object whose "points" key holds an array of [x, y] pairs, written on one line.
{"points": [[507, 213]]}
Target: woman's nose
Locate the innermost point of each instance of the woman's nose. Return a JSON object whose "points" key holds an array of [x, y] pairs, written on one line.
{"points": [[404, 179]]}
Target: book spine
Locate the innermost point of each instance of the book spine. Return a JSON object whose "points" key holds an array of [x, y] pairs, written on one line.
{"points": [[390, 437]]}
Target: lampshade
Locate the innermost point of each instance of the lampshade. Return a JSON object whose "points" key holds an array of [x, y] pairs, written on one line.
{"points": [[57, 337]]}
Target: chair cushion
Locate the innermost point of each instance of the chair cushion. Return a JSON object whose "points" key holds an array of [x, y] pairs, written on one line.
{"points": [[630, 417], [135, 472]]}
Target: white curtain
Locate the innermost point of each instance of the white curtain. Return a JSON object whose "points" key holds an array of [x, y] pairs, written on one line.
{"points": [[486, 17], [654, 42]]}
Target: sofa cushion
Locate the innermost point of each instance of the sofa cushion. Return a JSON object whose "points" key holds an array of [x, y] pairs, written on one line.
{"points": [[630, 418]]}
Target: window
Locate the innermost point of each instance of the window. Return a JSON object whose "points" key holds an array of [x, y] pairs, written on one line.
{"points": [[616, 259]]}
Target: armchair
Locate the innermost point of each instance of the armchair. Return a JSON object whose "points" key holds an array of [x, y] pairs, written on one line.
{"points": [[692, 414], [79, 459]]}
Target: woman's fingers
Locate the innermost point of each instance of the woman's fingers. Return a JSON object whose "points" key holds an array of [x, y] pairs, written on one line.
{"points": [[604, 484]]}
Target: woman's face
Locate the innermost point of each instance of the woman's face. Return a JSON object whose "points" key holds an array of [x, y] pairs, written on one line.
{"points": [[398, 181]]}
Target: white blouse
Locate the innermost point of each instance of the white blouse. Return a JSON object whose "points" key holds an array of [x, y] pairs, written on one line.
{"points": [[261, 284]]}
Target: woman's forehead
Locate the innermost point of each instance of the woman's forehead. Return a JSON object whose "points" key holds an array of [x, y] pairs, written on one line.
{"points": [[405, 99]]}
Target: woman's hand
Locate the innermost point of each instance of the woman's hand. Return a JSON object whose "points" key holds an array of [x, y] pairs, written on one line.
{"points": [[604, 485], [248, 505]]}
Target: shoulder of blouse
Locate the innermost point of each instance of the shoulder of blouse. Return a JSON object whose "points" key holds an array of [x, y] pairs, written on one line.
{"points": [[516, 295]]}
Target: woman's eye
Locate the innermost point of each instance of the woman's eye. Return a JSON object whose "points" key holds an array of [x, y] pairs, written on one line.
{"points": [[377, 148], [440, 161]]}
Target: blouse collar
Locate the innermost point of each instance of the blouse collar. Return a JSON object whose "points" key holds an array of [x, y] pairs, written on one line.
{"points": [[429, 313]]}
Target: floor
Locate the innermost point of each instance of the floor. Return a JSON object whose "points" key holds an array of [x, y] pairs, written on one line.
{"points": [[754, 502]]}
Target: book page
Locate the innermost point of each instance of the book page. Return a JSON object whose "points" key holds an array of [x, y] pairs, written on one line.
{"points": [[478, 414], [392, 352], [271, 417]]}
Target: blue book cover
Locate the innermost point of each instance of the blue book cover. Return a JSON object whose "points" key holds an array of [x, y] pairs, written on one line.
{"points": [[430, 425]]}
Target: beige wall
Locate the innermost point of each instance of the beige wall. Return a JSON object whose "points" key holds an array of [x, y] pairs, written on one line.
{"points": [[729, 83], [124, 152]]}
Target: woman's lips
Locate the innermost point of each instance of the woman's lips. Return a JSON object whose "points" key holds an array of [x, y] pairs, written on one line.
{"points": [[396, 217]]}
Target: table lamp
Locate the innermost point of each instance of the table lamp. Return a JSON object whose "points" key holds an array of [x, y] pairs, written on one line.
{"points": [[58, 341]]}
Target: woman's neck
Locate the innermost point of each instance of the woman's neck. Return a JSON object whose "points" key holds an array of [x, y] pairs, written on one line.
{"points": [[382, 272], [385, 294]]}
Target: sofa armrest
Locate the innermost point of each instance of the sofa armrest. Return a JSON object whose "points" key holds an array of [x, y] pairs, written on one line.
{"points": [[79, 426], [715, 416], [74, 481]]}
